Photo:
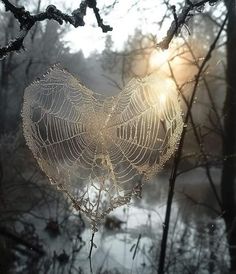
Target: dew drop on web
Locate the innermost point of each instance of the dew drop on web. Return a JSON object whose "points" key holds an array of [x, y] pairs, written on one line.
{"points": [[96, 149]]}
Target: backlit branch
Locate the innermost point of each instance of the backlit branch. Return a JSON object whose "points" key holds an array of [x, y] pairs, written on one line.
{"points": [[27, 21], [181, 19], [177, 157]]}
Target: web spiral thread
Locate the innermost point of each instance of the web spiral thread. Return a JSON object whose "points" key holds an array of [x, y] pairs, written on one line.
{"points": [[99, 151]]}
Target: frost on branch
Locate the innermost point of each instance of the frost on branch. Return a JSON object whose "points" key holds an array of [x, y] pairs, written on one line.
{"points": [[98, 150], [27, 21]]}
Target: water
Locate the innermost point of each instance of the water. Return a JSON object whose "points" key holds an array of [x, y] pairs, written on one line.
{"points": [[134, 247]]}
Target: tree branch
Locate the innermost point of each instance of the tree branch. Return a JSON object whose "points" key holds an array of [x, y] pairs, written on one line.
{"points": [[181, 19], [27, 21], [18, 239], [177, 157]]}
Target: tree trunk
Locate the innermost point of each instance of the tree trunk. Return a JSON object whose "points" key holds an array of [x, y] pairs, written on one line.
{"points": [[4, 77], [229, 141], [3, 96]]}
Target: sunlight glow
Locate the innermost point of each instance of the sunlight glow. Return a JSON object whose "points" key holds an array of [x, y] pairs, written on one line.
{"points": [[158, 58]]}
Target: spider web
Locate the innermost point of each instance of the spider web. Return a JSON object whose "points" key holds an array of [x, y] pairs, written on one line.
{"points": [[98, 150]]}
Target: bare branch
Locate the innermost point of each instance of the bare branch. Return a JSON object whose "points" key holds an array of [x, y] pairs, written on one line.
{"points": [[177, 157], [18, 239], [27, 21], [181, 19]]}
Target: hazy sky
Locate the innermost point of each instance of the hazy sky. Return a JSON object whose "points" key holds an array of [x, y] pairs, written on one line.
{"points": [[124, 18]]}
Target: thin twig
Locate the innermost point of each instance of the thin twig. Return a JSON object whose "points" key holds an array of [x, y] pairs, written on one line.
{"points": [[181, 19], [177, 157], [198, 136], [136, 246], [27, 21], [19, 240], [90, 252]]}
